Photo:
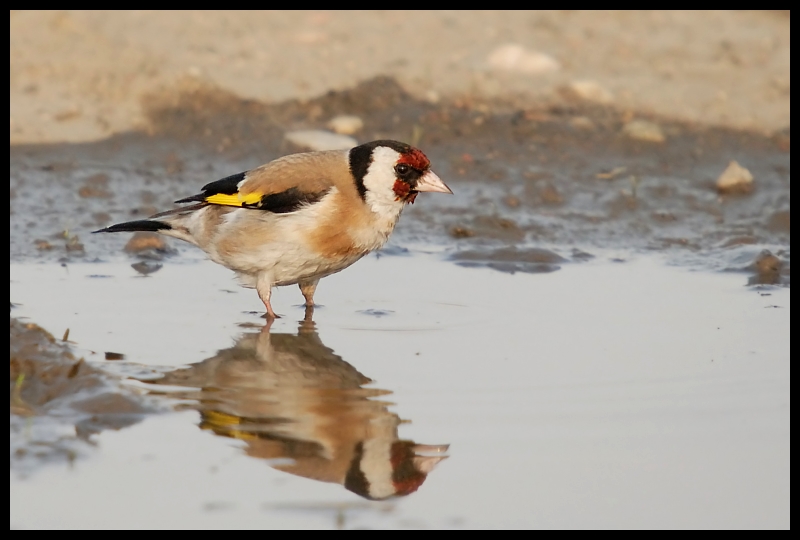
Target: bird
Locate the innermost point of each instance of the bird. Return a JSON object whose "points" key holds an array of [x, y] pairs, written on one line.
{"points": [[297, 404], [300, 217]]}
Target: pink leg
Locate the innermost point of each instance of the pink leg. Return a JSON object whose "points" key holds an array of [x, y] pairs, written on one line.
{"points": [[308, 288], [264, 288]]}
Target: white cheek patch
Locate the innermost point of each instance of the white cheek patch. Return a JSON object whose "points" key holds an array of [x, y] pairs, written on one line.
{"points": [[379, 181], [376, 460], [380, 175]]}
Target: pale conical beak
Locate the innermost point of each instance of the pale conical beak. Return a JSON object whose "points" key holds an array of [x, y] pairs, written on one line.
{"points": [[428, 456], [430, 448], [426, 464], [430, 182]]}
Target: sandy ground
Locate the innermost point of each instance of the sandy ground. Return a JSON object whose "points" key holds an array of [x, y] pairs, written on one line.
{"points": [[81, 75]]}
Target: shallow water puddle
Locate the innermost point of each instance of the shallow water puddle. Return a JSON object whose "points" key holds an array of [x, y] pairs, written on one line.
{"points": [[602, 395]]}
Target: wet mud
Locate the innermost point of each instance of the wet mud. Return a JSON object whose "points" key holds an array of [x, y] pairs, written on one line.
{"points": [[561, 177], [59, 401]]}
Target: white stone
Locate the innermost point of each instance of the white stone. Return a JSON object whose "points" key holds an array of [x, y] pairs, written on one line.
{"points": [[513, 57], [318, 139], [587, 90], [644, 130], [735, 178], [346, 124]]}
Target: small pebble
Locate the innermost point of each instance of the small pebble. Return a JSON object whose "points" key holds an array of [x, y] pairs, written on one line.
{"points": [[461, 232], [513, 57], [145, 240], [587, 91], [318, 139], [644, 130], [735, 179], [346, 124], [767, 269]]}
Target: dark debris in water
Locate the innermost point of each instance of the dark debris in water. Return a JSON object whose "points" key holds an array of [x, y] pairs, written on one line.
{"points": [[511, 260], [393, 250], [378, 313], [580, 255], [146, 268]]}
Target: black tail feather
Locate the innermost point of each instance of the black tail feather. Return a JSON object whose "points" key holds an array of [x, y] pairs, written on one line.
{"points": [[201, 197], [181, 210], [140, 225]]}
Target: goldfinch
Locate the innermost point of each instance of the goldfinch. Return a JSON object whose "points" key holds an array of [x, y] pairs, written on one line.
{"points": [[301, 217]]}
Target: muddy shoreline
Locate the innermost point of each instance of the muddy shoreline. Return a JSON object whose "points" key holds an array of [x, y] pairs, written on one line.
{"points": [[558, 177], [59, 401]]}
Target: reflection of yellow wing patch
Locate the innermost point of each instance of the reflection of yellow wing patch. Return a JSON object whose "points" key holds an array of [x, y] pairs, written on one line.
{"points": [[225, 424], [236, 199]]}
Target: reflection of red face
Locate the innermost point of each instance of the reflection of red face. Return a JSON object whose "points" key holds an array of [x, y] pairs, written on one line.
{"points": [[406, 478]]}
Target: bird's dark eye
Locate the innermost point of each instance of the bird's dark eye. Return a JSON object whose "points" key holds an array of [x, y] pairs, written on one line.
{"points": [[402, 169]]}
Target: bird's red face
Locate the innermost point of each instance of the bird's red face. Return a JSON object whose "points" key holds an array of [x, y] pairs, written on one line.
{"points": [[414, 175], [411, 162], [415, 158], [390, 172]]}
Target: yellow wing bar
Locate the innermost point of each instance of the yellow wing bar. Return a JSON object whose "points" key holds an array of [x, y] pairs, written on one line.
{"points": [[236, 199]]}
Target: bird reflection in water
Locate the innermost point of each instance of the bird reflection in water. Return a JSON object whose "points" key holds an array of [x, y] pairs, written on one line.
{"points": [[299, 405]]}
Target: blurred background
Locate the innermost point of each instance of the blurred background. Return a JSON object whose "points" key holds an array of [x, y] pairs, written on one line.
{"points": [[81, 75]]}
